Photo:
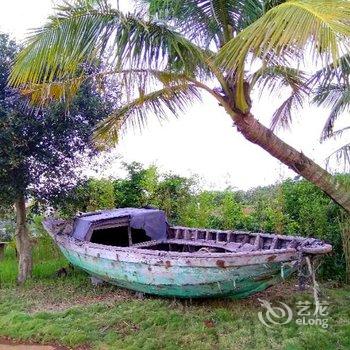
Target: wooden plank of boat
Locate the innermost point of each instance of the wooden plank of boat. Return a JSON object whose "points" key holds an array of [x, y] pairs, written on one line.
{"points": [[188, 262]]}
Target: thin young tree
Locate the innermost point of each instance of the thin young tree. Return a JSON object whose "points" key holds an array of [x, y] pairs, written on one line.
{"points": [[168, 52]]}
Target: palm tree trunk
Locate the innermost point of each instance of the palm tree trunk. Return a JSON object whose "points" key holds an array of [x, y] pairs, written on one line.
{"points": [[259, 134], [23, 242]]}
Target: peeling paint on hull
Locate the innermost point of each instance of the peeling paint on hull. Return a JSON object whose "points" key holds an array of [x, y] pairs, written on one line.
{"points": [[187, 263], [182, 281]]}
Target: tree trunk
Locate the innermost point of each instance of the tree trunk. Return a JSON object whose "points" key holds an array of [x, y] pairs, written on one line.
{"points": [[259, 134], [23, 242]]}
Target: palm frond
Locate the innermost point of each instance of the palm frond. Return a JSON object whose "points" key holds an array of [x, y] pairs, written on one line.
{"points": [[82, 32], [338, 72], [331, 86], [70, 38], [251, 10], [269, 4], [283, 115], [169, 100], [146, 80], [277, 78], [336, 97], [204, 21], [221, 13], [130, 81], [340, 132], [191, 19], [286, 33], [209, 21], [341, 156]]}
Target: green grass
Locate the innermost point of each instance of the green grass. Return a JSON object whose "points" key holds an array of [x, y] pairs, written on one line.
{"points": [[69, 311], [47, 260]]}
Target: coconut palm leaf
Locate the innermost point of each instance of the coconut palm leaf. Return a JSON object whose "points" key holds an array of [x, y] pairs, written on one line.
{"points": [[340, 132], [331, 86], [342, 156], [251, 10], [171, 99], [283, 115], [194, 21], [130, 81], [338, 72], [287, 32], [336, 97], [276, 78], [273, 78], [81, 33], [209, 21], [205, 21]]}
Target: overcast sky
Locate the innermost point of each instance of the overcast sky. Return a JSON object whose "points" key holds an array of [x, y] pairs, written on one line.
{"points": [[203, 141]]}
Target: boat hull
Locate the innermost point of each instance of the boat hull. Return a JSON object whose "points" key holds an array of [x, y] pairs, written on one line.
{"points": [[186, 278]]}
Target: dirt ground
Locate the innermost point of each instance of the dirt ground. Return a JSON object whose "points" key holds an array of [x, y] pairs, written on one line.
{"points": [[8, 344], [26, 347]]}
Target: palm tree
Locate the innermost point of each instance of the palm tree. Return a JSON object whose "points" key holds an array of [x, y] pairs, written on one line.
{"points": [[170, 51]]}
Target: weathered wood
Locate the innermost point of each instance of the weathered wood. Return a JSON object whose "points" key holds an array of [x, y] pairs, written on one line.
{"points": [[258, 242], [274, 243], [184, 265], [129, 236]]}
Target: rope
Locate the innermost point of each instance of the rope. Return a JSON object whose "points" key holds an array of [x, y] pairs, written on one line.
{"points": [[315, 287], [308, 262]]}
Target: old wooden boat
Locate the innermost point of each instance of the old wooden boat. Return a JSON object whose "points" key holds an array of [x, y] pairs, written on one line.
{"points": [[137, 249]]}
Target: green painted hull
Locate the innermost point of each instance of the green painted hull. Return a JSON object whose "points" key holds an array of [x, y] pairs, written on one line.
{"points": [[188, 263], [183, 281]]}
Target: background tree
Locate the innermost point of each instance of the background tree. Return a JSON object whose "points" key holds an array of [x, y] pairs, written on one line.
{"points": [[137, 189], [41, 150], [172, 194], [141, 186], [170, 52], [89, 195]]}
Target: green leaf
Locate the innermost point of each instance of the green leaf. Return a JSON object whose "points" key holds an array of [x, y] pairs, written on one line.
{"points": [[336, 97], [275, 78], [82, 33], [287, 33], [342, 156], [169, 100]]}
